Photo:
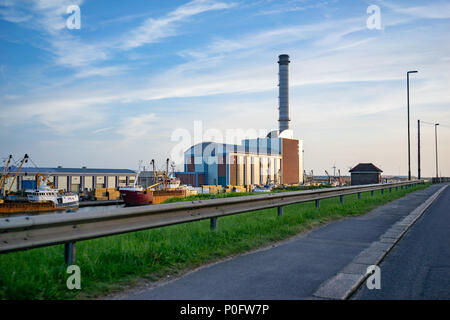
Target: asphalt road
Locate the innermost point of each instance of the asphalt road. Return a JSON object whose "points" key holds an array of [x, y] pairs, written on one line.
{"points": [[290, 270], [418, 267]]}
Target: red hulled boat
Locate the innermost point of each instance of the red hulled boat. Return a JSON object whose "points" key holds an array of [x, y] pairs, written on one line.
{"points": [[136, 196]]}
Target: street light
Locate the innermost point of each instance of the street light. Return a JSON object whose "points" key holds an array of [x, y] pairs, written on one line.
{"points": [[418, 150], [435, 138], [409, 136]]}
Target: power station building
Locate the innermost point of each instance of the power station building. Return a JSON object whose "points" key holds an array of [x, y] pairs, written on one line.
{"points": [[274, 159]]}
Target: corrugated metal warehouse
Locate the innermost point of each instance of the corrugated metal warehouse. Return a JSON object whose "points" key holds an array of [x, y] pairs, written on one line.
{"points": [[72, 179]]}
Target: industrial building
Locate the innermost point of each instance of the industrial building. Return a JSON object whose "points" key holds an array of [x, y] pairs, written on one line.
{"points": [[365, 173], [274, 159], [71, 179]]}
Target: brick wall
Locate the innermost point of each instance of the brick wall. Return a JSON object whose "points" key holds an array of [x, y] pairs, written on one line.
{"points": [[290, 162]]}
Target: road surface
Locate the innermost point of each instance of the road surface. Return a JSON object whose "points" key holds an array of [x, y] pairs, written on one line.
{"points": [[418, 267], [293, 269]]}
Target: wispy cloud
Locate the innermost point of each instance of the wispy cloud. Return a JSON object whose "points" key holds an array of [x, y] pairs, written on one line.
{"points": [[101, 71], [439, 10], [50, 16], [153, 30], [328, 32], [12, 15], [137, 126], [293, 7], [102, 130], [340, 71]]}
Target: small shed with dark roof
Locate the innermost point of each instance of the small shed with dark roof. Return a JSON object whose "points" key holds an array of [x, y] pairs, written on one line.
{"points": [[365, 173]]}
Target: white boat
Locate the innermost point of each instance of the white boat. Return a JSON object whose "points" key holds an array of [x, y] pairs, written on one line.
{"points": [[44, 193]]}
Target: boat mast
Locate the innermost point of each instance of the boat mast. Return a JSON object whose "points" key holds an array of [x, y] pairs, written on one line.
{"points": [[167, 174], [154, 172], [137, 174]]}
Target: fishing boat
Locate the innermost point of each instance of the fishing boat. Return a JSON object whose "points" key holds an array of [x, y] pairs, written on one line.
{"points": [[59, 200], [169, 187], [42, 199], [136, 195]]}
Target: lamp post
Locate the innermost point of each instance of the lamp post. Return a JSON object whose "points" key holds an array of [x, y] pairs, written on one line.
{"points": [[409, 135], [435, 138], [418, 150]]}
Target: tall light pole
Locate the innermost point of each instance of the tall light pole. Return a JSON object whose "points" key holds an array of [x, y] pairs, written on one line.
{"points": [[418, 150], [435, 138], [409, 135]]}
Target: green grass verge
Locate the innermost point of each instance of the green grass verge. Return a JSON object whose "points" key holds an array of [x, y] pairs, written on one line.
{"points": [[109, 263], [206, 196]]}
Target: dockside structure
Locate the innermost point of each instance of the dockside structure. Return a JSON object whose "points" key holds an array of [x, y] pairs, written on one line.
{"points": [[72, 179]]}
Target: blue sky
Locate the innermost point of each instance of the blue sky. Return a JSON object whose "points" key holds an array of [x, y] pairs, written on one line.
{"points": [[114, 91]]}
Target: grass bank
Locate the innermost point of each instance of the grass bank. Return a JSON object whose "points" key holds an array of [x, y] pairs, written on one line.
{"points": [[109, 263], [206, 196]]}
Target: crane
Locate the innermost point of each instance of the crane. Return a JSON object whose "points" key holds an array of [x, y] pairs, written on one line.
{"points": [[4, 176], [24, 160], [340, 178], [44, 180], [329, 178]]}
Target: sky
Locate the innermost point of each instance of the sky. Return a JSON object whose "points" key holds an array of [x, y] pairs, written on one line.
{"points": [[135, 79]]}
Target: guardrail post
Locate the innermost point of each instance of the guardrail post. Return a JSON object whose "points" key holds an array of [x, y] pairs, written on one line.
{"points": [[213, 223], [317, 204], [382, 191], [280, 211], [341, 199], [372, 193], [396, 188], [359, 195], [70, 250], [390, 190]]}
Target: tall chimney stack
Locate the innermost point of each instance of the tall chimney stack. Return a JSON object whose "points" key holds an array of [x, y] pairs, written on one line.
{"points": [[283, 61]]}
